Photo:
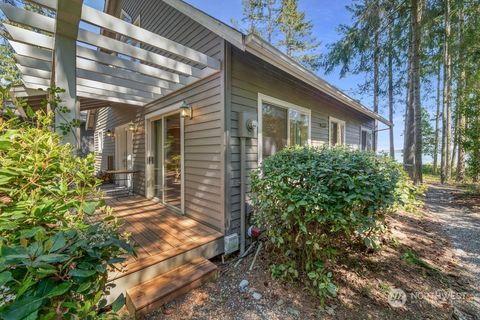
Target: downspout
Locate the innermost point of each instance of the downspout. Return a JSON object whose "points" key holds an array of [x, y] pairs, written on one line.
{"points": [[247, 128], [242, 193]]}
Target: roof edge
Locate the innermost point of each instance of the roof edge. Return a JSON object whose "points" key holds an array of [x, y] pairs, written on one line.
{"points": [[264, 50]]}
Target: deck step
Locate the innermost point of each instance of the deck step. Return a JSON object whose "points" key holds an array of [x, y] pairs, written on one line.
{"points": [[149, 296]]}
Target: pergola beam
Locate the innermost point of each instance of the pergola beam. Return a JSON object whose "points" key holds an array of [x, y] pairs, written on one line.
{"points": [[109, 22], [82, 63], [58, 52], [42, 44], [45, 23], [85, 91], [142, 96]]}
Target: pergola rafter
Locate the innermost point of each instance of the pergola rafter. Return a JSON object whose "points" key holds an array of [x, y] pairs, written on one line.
{"points": [[57, 51]]}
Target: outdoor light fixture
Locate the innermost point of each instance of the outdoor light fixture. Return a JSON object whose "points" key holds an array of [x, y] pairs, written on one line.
{"points": [[132, 127], [186, 110], [109, 133], [323, 124]]}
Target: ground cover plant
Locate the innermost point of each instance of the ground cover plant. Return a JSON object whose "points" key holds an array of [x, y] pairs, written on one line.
{"points": [[316, 202], [57, 240]]}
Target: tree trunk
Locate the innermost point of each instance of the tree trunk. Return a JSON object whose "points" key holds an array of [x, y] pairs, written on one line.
{"points": [[270, 20], [437, 121], [390, 91], [376, 87], [409, 134], [417, 107], [447, 97], [454, 149], [461, 122]]}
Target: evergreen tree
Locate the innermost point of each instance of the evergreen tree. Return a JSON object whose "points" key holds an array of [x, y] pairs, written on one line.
{"points": [[297, 38], [253, 15]]}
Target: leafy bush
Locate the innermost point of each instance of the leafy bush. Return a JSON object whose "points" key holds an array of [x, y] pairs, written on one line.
{"points": [[56, 239], [313, 202]]}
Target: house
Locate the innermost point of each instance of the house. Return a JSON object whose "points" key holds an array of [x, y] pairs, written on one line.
{"points": [[183, 106]]}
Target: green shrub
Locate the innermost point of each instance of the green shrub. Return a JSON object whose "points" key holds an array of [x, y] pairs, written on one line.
{"points": [[56, 239], [313, 202]]}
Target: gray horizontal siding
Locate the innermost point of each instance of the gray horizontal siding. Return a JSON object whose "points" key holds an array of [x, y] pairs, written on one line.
{"points": [[250, 76]]}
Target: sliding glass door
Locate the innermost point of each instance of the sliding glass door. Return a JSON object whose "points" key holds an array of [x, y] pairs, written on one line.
{"points": [[167, 160]]}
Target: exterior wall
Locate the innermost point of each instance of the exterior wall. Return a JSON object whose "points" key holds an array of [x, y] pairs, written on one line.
{"points": [[249, 76]]}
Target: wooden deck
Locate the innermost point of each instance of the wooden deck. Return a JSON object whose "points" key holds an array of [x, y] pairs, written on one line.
{"points": [[163, 241], [157, 232]]}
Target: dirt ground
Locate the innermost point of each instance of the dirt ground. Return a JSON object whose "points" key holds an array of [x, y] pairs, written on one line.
{"points": [[431, 284]]}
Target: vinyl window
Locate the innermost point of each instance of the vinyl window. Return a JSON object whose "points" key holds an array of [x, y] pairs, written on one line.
{"points": [[366, 139], [336, 132], [281, 124]]}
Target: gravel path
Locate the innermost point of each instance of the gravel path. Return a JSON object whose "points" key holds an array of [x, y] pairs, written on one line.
{"points": [[462, 226]]}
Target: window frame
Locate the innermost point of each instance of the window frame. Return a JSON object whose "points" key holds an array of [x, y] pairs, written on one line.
{"points": [[338, 121], [368, 130], [263, 98]]}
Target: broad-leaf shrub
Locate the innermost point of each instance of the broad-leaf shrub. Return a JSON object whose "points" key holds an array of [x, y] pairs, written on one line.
{"points": [[56, 239], [313, 202]]}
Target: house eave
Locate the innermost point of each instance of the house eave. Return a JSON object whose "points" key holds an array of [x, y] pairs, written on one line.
{"points": [[272, 55]]}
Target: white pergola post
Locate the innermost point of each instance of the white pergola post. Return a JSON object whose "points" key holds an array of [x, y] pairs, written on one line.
{"points": [[65, 66]]}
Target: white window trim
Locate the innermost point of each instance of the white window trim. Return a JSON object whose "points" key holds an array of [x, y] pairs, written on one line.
{"points": [[332, 119], [362, 128], [282, 104]]}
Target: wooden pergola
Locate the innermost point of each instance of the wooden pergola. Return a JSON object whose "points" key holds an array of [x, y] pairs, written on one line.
{"points": [[95, 69]]}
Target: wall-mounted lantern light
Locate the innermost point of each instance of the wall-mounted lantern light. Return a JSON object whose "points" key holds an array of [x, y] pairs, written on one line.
{"points": [[132, 127], [109, 133], [186, 110]]}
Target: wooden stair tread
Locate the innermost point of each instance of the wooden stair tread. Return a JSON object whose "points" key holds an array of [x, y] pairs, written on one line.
{"points": [[142, 263], [153, 293]]}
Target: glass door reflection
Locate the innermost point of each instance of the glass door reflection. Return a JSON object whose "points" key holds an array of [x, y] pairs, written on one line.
{"points": [[167, 168]]}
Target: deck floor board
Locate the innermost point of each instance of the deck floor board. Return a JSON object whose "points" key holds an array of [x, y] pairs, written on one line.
{"points": [[156, 231]]}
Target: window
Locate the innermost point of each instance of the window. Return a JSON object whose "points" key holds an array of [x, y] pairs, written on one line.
{"points": [[336, 132], [366, 139], [98, 141], [281, 124], [127, 18]]}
